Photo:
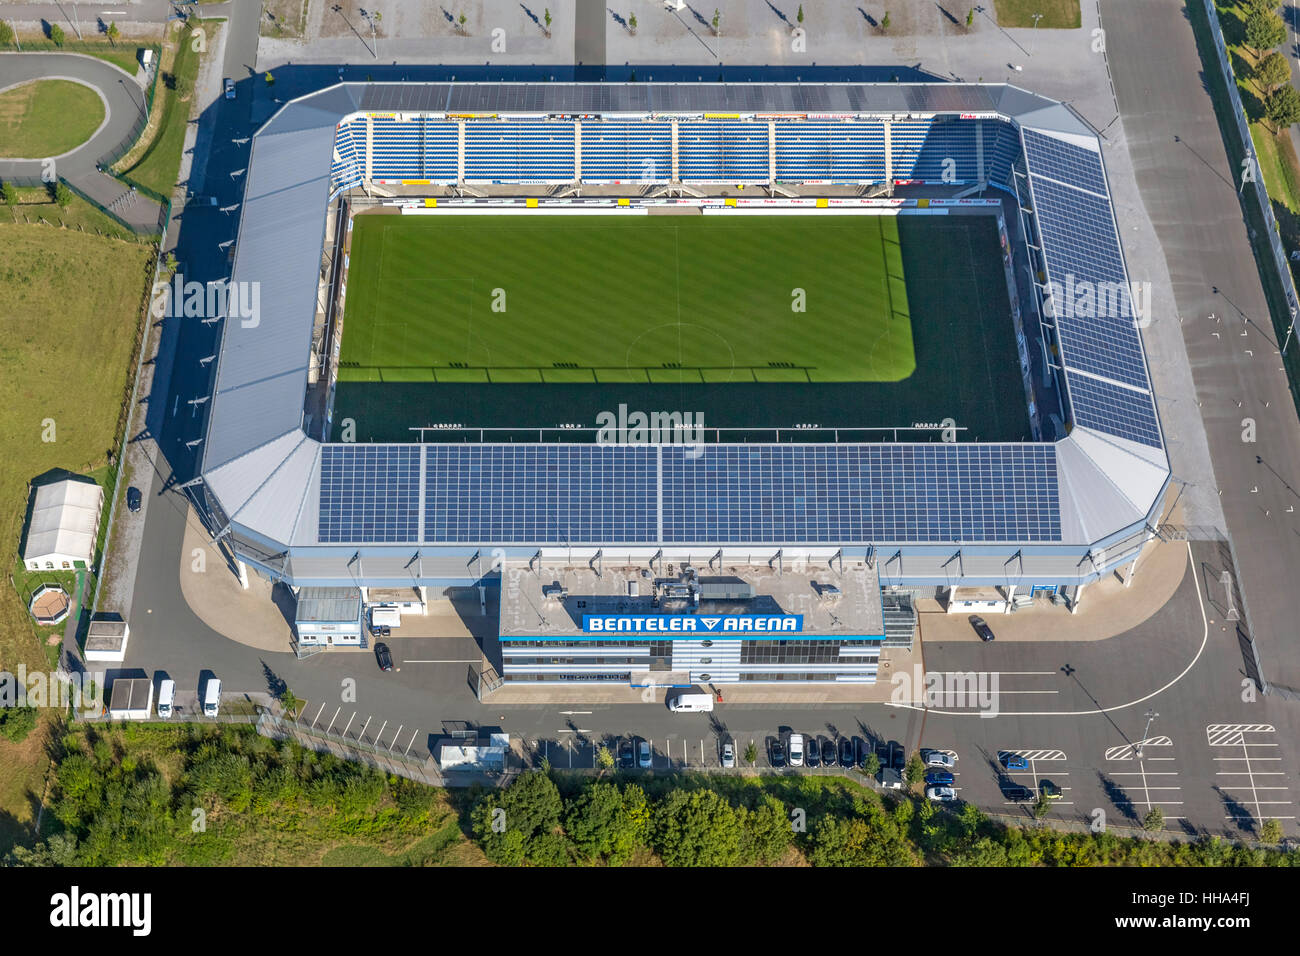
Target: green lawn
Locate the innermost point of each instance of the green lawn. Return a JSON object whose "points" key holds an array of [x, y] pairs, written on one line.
{"points": [[626, 299], [47, 118], [1058, 14]]}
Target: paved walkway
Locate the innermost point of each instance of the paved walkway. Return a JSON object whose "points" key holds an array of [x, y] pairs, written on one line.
{"points": [[124, 104]]}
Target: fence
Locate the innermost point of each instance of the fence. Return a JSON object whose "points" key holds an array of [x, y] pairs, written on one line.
{"points": [[349, 748], [1277, 263]]}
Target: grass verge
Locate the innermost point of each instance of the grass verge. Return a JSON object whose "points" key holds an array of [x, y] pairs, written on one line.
{"points": [[1056, 14]]}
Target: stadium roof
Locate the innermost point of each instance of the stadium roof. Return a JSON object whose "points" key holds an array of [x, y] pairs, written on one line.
{"points": [[289, 491]]}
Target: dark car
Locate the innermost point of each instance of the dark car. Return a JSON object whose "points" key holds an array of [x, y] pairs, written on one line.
{"points": [[812, 753], [229, 85], [133, 498], [778, 754], [828, 752], [981, 627], [846, 752], [882, 753], [1049, 790], [897, 759], [626, 759], [864, 751], [939, 778], [384, 658], [1016, 793]]}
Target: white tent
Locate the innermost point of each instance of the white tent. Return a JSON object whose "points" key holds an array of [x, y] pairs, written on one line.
{"points": [[65, 522]]}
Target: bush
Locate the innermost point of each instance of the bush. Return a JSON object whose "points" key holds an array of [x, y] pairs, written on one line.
{"points": [[16, 722]]}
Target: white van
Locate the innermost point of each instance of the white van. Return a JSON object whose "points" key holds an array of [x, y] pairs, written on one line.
{"points": [[692, 704], [166, 697], [796, 750], [212, 698]]}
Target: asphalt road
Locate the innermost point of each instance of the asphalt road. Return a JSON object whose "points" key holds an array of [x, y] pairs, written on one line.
{"points": [[124, 103], [1190, 193]]}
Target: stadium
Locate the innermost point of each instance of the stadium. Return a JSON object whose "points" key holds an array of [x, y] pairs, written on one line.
{"points": [[651, 355]]}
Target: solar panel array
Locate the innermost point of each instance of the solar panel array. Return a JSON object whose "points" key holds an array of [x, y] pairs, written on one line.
{"points": [[369, 493], [552, 493], [861, 493], [1094, 315]]}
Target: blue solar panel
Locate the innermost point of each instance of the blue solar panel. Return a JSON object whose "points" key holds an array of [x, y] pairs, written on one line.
{"points": [[861, 493], [1082, 252], [369, 493], [1117, 411], [577, 494], [1064, 162]]}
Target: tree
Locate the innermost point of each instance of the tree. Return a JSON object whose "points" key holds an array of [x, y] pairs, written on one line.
{"points": [[914, 772], [1042, 806], [62, 195], [16, 722], [184, 87], [751, 754], [56, 34], [604, 758], [546, 16], [872, 766], [1264, 30], [6, 34], [631, 22], [594, 819], [1154, 820], [717, 22], [288, 700], [270, 80], [697, 828], [1283, 107], [10, 194], [460, 22], [113, 33], [970, 17], [519, 823], [766, 832], [1270, 831], [884, 21], [1271, 72], [799, 16]]}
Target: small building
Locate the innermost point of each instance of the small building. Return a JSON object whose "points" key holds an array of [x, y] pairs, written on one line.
{"points": [[49, 605], [328, 616], [64, 526], [473, 755], [132, 699], [106, 641]]}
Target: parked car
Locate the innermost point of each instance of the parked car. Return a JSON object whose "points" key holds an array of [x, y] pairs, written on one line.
{"points": [[981, 627], [939, 778], [778, 754], [1017, 793], [813, 755], [383, 657], [728, 754], [1049, 790], [643, 754], [937, 758], [626, 757], [385, 631], [846, 752], [133, 498], [941, 794], [229, 86], [1012, 761], [796, 750], [864, 751], [882, 753], [897, 759], [828, 752]]}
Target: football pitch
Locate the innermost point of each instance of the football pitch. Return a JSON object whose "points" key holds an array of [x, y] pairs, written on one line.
{"points": [[658, 299]]}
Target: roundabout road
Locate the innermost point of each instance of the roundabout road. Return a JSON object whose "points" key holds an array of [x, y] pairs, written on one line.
{"points": [[124, 106]]}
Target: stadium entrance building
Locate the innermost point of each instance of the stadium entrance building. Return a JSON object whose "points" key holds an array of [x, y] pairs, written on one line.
{"points": [[287, 503], [685, 626]]}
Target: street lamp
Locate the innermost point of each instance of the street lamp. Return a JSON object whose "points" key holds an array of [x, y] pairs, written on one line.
{"points": [[1037, 17], [1150, 716], [372, 17], [1289, 330]]}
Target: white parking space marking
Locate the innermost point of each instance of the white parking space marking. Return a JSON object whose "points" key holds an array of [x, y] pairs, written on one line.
{"points": [[1035, 757], [1158, 788], [1240, 759]]}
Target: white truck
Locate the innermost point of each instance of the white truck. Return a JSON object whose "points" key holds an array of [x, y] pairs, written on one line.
{"points": [[691, 704], [166, 698]]}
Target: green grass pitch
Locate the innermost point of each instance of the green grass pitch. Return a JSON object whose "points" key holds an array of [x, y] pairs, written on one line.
{"points": [[675, 298]]}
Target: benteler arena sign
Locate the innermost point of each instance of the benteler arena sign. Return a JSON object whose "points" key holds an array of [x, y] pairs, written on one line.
{"points": [[692, 623]]}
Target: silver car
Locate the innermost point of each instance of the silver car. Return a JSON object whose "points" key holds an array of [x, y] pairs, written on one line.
{"points": [[938, 758], [643, 755], [941, 794], [728, 754]]}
